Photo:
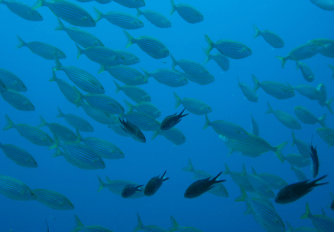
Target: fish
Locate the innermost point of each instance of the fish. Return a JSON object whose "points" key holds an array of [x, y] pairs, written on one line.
{"points": [[200, 187], [117, 186], [155, 18], [62, 132], [306, 71], [154, 184], [192, 105], [323, 98], [133, 131], [274, 88], [255, 127], [252, 146], [327, 135], [98, 115], [80, 153], [67, 90], [47, 51], [273, 181], [177, 227], [128, 57], [131, 3], [75, 121], [69, 12], [125, 74], [84, 80], [174, 135], [11, 81], [150, 45], [302, 147], [189, 13], [167, 77], [102, 102], [315, 161], [299, 229], [248, 91], [71, 160], [224, 128], [120, 19], [117, 128], [151, 228], [130, 189], [80, 227], [144, 107], [297, 160], [332, 68], [218, 190], [230, 48], [15, 99], [297, 190], [143, 121], [171, 120], [79, 36], [308, 91], [265, 214], [135, 93], [321, 222], [285, 118], [240, 179], [270, 37], [307, 117], [324, 4], [101, 55], [299, 174], [302, 52], [194, 70], [22, 10], [53, 199], [222, 61], [15, 189], [19, 156], [106, 149], [327, 50], [31, 133]]}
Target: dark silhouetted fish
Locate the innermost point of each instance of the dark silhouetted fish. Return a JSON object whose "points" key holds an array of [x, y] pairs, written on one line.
{"points": [[315, 161], [154, 184], [130, 189], [133, 131], [172, 120]]}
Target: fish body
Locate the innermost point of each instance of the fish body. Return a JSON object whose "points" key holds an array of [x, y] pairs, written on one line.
{"points": [[295, 191], [327, 50], [299, 174], [143, 121], [285, 118], [273, 181], [189, 13], [307, 117], [323, 98], [299, 229], [135, 93], [80, 227], [154, 185], [144, 107], [306, 71], [15, 99], [248, 92], [77, 122], [23, 10], [177, 227], [125, 74], [53, 199], [259, 185], [151, 228], [98, 115], [193, 105], [315, 161], [324, 4], [128, 57], [327, 134], [222, 61], [171, 120], [62, 132], [133, 131], [155, 18], [130, 189], [308, 91], [255, 127], [15, 189], [167, 77], [297, 160], [321, 222], [19, 156], [11, 81], [240, 179], [270, 37], [131, 3], [67, 90], [174, 135]]}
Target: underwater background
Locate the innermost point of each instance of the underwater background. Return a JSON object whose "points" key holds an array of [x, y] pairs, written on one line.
{"points": [[295, 21]]}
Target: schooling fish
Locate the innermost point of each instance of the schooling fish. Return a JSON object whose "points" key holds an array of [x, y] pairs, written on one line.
{"points": [[315, 161], [172, 120], [270, 37], [133, 131], [295, 191], [154, 184]]}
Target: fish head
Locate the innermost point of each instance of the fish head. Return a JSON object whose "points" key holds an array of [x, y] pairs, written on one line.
{"points": [[298, 109], [321, 87], [139, 23]]}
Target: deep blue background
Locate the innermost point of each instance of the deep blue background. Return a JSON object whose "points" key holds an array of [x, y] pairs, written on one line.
{"points": [[295, 21]]}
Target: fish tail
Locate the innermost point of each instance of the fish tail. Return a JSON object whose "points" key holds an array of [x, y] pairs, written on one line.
{"points": [[99, 15], [60, 25], [79, 137], [58, 64], [183, 115], [314, 182], [283, 60], [178, 100], [78, 224], [297, 65], [293, 139], [43, 122], [244, 171], [227, 170], [118, 87], [80, 51], [332, 68], [147, 74], [60, 114], [173, 7], [289, 227], [329, 105], [155, 134], [128, 104], [21, 42], [254, 172], [57, 153], [207, 122], [163, 175], [256, 83], [139, 12], [248, 210], [139, 224], [102, 185], [214, 180], [79, 96], [209, 41], [190, 167], [55, 143], [243, 195], [54, 77], [292, 168], [270, 110], [174, 62], [130, 39], [322, 120], [39, 3], [307, 213], [278, 151], [207, 56], [175, 226], [9, 122], [257, 32], [101, 69]]}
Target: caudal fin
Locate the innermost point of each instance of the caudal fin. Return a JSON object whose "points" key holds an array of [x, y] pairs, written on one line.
{"points": [[190, 167], [243, 195], [256, 83], [139, 12], [329, 105], [58, 64], [174, 62], [207, 122], [21, 42], [178, 100], [99, 15], [322, 120], [139, 224], [102, 185], [39, 3], [130, 39], [54, 77], [314, 182], [9, 122], [227, 170], [80, 51], [270, 110], [60, 114], [78, 225], [128, 104], [307, 213], [173, 7], [257, 32], [207, 56], [293, 139], [209, 41], [283, 60], [175, 226], [278, 151], [118, 87], [146, 73], [43, 122], [60, 25]]}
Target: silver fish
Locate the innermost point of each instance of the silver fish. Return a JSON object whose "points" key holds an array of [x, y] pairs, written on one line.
{"points": [[285, 118], [167, 77], [327, 134], [192, 105], [53, 199], [23, 10], [307, 117], [248, 91], [297, 160], [306, 71], [270, 37], [189, 13], [11, 81], [77, 122], [222, 61], [155, 18], [62, 132], [15, 189], [324, 4], [144, 107], [19, 156], [174, 135], [321, 222], [299, 174], [98, 115], [135, 93], [125, 74]]}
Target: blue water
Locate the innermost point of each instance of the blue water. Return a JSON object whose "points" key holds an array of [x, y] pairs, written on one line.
{"points": [[295, 21]]}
